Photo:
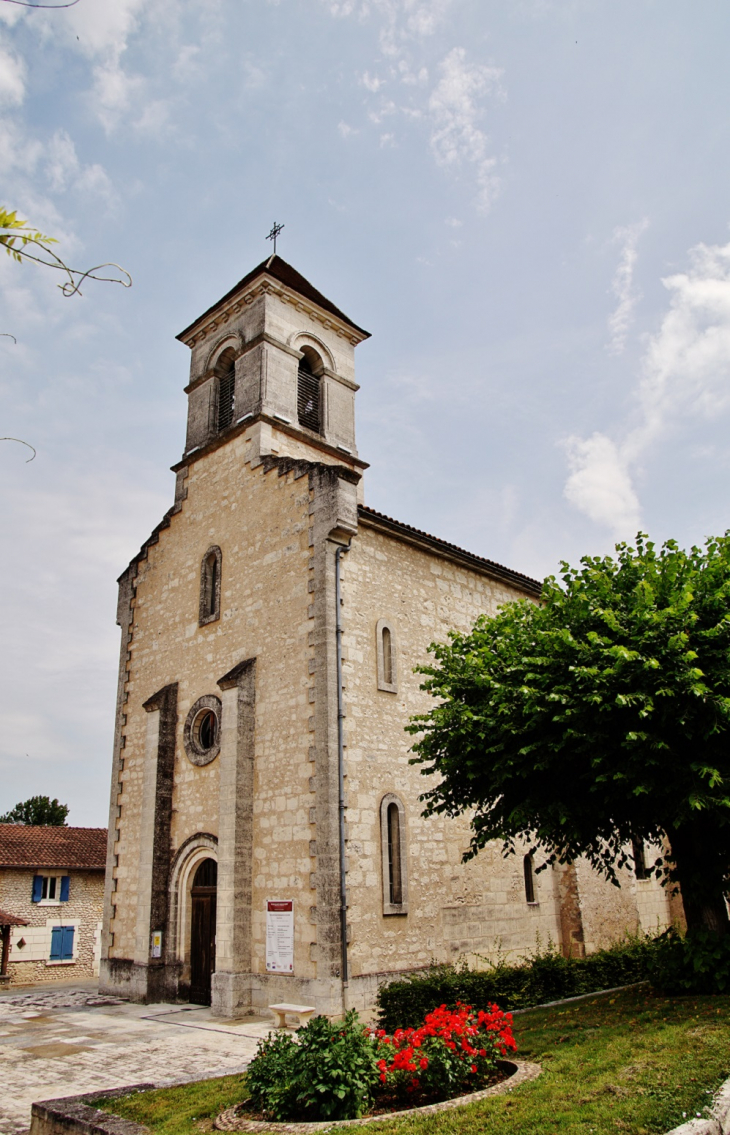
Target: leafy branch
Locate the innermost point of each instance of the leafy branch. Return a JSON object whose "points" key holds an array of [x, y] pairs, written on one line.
{"points": [[27, 4], [21, 442], [16, 236]]}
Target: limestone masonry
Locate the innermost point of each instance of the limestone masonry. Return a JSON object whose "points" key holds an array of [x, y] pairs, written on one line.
{"points": [[266, 841]]}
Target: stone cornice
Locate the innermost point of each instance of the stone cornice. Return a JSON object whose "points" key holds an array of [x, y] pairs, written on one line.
{"points": [[206, 325], [284, 427]]}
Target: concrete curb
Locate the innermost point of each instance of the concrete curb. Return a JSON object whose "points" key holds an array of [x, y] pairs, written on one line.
{"points": [[73, 1114], [229, 1121], [718, 1121]]}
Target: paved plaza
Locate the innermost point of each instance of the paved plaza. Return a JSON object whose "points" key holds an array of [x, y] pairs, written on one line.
{"points": [[69, 1040]]}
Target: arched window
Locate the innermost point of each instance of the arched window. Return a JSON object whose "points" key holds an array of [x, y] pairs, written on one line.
{"points": [[528, 867], [210, 586], [386, 659], [640, 870], [309, 395], [226, 371], [393, 840]]}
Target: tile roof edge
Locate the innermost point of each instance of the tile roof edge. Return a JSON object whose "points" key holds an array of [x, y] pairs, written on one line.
{"points": [[452, 551], [286, 274]]}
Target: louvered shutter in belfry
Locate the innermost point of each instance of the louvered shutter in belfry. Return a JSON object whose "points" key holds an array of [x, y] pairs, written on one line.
{"points": [[308, 400], [226, 389]]}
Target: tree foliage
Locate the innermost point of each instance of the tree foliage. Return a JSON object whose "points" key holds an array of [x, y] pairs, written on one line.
{"points": [[600, 715], [37, 810]]}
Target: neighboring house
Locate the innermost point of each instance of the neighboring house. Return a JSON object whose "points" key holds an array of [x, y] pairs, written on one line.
{"points": [[267, 841], [52, 879]]}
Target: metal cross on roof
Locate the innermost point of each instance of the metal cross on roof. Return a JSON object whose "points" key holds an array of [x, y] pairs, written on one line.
{"points": [[275, 230]]}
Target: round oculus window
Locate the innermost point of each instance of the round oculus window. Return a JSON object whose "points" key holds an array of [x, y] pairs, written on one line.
{"points": [[201, 734]]}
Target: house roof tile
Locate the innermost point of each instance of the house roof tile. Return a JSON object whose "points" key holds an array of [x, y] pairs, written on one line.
{"points": [[25, 845], [11, 919]]}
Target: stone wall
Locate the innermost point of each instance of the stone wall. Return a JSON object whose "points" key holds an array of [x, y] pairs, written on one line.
{"points": [[260, 520], [83, 910]]}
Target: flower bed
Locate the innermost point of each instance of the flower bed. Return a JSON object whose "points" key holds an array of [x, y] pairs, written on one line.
{"points": [[343, 1070]]}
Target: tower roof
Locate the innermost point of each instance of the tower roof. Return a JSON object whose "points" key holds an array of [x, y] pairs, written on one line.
{"points": [[285, 274]]}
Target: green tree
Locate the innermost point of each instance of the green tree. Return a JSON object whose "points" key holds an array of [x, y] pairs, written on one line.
{"points": [[37, 810], [600, 715]]}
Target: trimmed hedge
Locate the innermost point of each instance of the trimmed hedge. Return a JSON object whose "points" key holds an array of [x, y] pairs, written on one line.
{"points": [[546, 976]]}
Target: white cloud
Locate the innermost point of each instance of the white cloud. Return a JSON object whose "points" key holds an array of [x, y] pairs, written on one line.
{"points": [[371, 82], [12, 79], [104, 28], [64, 170], [454, 105], [62, 164], [345, 129], [113, 93], [622, 285], [685, 375], [600, 484], [686, 366], [401, 20], [101, 32]]}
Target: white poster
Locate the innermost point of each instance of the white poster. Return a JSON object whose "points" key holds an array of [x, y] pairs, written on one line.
{"points": [[280, 935]]}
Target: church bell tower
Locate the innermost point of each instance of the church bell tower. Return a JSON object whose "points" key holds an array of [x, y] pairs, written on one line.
{"points": [[274, 357]]}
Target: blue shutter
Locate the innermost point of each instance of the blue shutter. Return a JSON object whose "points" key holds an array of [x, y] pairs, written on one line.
{"points": [[67, 943], [37, 888], [65, 884], [56, 943]]}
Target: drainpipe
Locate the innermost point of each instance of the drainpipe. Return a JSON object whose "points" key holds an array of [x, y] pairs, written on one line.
{"points": [[341, 771]]}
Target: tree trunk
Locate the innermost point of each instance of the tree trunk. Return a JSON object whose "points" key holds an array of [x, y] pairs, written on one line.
{"points": [[700, 870]]}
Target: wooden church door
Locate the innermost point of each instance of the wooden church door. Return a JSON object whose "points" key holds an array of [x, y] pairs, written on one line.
{"points": [[202, 938]]}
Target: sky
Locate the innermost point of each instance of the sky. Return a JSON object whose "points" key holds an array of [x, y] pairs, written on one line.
{"points": [[526, 202]]}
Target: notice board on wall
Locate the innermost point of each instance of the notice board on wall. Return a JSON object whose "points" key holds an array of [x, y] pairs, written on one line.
{"points": [[280, 935]]}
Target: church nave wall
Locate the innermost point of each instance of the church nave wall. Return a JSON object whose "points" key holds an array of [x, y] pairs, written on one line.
{"points": [[455, 909]]}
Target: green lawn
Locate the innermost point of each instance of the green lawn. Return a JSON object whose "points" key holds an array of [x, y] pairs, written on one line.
{"points": [[632, 1062]]}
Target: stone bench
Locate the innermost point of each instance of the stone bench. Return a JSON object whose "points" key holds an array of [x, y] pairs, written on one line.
{"points": [[302, 1012]]}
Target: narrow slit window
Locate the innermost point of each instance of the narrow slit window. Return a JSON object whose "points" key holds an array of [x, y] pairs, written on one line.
{"points": [[308, 397], [386, 657], [393, 836], [529, 879], [211, 582], [394, 855], [210, 586], [640, 869]]}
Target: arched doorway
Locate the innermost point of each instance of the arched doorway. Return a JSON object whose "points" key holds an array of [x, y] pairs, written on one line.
{"points": [[202, 936]]}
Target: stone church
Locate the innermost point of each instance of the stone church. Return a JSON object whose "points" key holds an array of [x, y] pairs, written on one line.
{"points": [[266, 841]]}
